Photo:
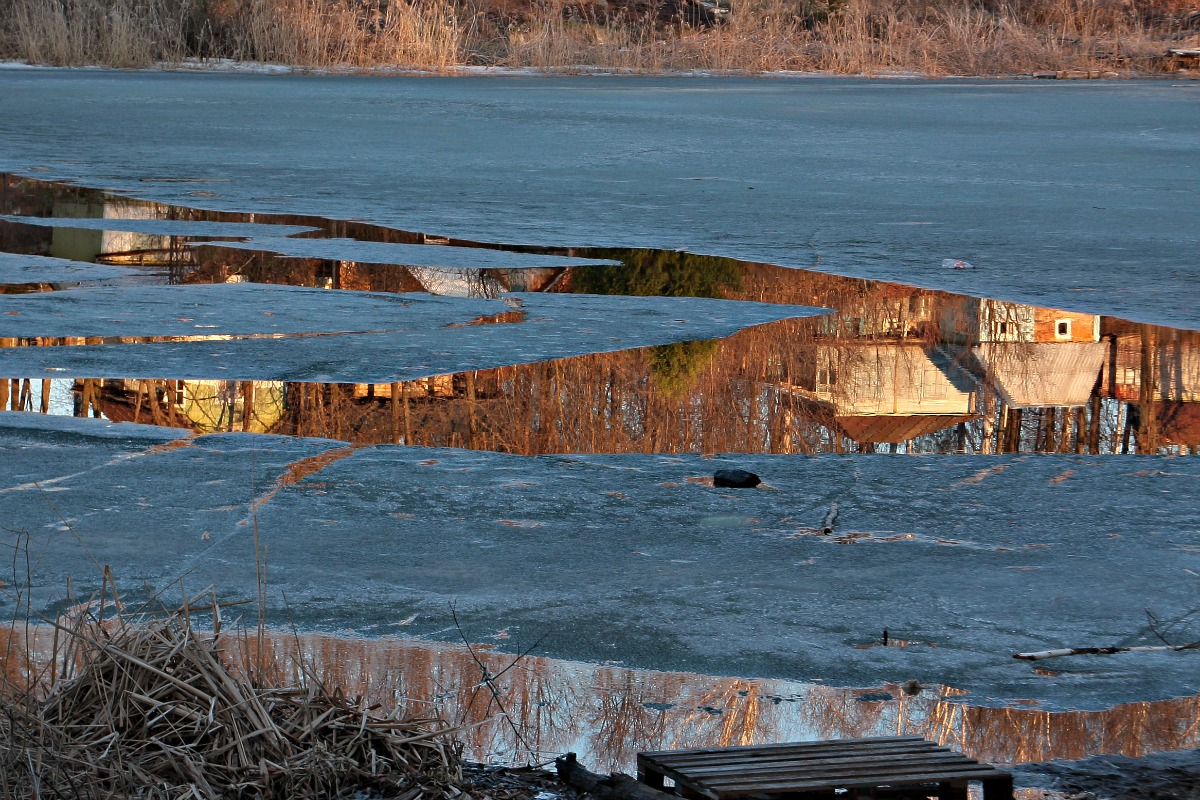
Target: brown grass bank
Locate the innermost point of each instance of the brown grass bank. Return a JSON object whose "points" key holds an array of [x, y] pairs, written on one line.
{"points": [[935, 37]]}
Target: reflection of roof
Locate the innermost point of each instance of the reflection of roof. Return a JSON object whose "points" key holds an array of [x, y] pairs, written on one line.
{"points": [[1034, 374], [887, 428], [118, 409], [1179, 423]]}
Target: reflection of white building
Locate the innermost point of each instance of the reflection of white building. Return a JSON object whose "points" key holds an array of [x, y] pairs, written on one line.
{"points": [[892, 391], [457, 281], [78, 244], [1031, 356], [970, 320]]}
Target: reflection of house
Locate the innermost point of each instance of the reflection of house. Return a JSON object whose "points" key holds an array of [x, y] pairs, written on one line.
{"points": [[891, 391], [968, 320], [79, 244]]}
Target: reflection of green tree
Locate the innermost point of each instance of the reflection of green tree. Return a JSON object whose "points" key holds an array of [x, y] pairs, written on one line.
{"points": [[659, 273], [665, 273], [674, 367]]}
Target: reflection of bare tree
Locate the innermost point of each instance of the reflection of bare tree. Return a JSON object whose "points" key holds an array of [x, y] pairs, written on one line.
{"points": [[608, 714], [781, 388]]}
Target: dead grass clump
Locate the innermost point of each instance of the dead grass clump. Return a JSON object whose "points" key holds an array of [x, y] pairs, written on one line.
{"points": [[319, 33], [124, 33], [152, 710]]}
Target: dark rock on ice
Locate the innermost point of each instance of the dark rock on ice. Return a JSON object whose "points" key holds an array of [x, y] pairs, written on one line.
{"points": [[736, 479]]}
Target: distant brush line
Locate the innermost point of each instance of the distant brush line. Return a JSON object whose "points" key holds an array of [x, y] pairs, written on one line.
{"points": [[848, 36]]}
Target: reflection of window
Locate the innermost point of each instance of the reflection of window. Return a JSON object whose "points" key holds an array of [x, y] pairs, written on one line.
{"points": [[1004, 329], [827, 376], [1062, 329]]}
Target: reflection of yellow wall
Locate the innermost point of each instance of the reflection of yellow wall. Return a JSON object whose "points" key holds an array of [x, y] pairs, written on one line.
{"points": [[221, 405], [893, 379], [85, 245]]}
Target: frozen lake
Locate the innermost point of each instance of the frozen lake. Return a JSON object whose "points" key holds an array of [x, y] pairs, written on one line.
{"points": [[1076, 195], [292, 284]]}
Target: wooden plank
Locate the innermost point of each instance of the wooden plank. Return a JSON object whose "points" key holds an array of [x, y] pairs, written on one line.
{"points": [[798, 768], [854, 779], [713, 773], [782, 746], [773, 752], [929, 750]]}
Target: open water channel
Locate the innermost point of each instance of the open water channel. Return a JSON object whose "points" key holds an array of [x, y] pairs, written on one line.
{"points": [[294, 317]]}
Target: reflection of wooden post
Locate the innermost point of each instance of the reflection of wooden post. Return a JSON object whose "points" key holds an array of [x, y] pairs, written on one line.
{"points": [[987, 408], [1126, 429], [247, 405], [139, 390], [1079, 431], [1147, 432], [1002, 428], [1013, 434], [396, 412], [91, 388], [1094, 426], [3, 393], [408, 440], [45, 395], [152, 396], [472, 426]]}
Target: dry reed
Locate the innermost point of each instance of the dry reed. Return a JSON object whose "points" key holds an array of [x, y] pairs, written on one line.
{"points": [[934, 37], [153, 710]]}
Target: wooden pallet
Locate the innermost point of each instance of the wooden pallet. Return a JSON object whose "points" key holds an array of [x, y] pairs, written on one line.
{"points": [[892, 766]]}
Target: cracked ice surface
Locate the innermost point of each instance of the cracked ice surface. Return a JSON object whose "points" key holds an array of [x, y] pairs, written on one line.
{"points": [[238, 309], [424, 255], [380, 337], [162, 227], [636, 558], [17, 269], [1067, 194]]}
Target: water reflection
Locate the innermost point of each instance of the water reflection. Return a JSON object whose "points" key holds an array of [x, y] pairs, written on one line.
{"points": [[608, 713], [893, 369]]}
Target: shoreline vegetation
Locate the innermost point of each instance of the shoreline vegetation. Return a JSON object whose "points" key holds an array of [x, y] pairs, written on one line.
{"points": [[1053, 38]]}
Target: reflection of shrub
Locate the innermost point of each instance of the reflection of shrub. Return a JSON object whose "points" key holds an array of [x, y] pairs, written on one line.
{"points": [[659, 273], [674, 367]]}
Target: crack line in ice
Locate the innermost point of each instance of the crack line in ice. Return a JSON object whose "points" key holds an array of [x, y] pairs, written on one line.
{"points": [[298, 471]]}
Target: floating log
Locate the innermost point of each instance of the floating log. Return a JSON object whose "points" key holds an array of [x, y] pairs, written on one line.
{"points": [[617, 786], [1103, 651], [827, 524]]}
